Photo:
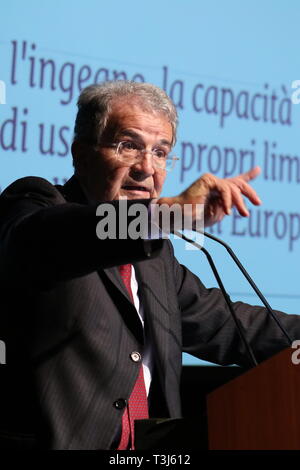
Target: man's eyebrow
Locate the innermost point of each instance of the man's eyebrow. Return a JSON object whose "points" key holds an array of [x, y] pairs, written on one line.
{"points": [[135, 135], [129, 133], [165, 142]]}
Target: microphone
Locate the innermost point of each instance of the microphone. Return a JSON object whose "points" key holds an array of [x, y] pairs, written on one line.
{"points": [[228, 301], [252, 284]]}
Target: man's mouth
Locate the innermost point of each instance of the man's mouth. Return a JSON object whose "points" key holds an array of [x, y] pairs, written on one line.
{"points": [[136, 189]]}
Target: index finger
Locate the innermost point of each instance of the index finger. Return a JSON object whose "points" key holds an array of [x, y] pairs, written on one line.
{"points": [[251, 174]]}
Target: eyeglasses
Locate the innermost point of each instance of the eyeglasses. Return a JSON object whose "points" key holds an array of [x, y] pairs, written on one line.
{"points": [[130, 150]]}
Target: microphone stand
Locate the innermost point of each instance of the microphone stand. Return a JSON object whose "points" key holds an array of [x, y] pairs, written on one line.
{"points": [[228, 301], [252, 284]]}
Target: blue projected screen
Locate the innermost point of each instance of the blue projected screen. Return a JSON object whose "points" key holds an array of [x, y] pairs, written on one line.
{"points": [[233, 71]]}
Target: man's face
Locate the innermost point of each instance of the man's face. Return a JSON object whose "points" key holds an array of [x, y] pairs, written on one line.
{"points": [[105, 177]]}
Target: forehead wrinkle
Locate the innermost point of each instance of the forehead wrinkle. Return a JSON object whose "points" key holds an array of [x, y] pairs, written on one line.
{"points": [[135, 135]]}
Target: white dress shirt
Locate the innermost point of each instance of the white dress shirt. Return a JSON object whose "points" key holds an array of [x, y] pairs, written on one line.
{"points": [[147, 354]]}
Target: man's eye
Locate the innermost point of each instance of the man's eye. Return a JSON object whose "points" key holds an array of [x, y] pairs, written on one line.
{"points": [[129, 145], [160, 153]]}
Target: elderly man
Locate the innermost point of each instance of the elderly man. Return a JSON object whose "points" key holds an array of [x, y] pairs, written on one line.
{"points": [[95, 328]]}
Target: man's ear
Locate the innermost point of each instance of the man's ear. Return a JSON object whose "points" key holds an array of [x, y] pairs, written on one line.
{"points": [[80, 152]]}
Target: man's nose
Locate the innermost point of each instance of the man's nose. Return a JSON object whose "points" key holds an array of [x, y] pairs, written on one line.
{"points": [[145, 164]]}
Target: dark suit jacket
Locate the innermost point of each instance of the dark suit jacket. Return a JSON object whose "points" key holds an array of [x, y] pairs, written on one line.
{"points": [[69, 326]]}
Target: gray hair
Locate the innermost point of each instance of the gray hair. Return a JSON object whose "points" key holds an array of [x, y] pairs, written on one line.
{"points": [[95, 104]]}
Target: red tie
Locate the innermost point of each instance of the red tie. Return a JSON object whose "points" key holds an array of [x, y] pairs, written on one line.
{"points": [[137, 406]]}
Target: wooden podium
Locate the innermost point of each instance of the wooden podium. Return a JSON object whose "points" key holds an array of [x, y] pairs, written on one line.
{"points": [[259, 410]]}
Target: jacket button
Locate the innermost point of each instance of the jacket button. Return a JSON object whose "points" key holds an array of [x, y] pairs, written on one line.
{"points": [[120, 404], [135, 356]]}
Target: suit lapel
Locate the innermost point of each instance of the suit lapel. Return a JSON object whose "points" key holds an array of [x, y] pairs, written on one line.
{"points": [[118, 293], [115, 278], [153, 295]]}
